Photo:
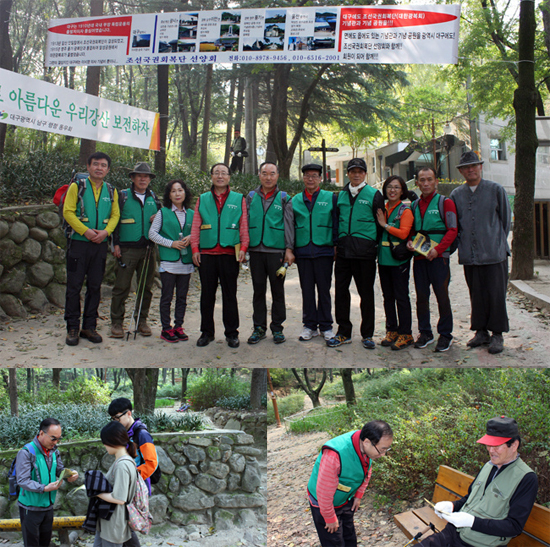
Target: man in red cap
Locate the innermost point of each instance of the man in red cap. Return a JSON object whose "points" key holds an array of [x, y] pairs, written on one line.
{"points": [[499, 500]]}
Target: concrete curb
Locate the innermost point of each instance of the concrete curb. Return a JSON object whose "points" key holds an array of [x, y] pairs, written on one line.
{"points": [[536, 297]]}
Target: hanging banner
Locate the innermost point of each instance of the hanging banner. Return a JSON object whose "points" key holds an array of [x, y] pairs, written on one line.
{"points": [[27, 102], [380, 34]]}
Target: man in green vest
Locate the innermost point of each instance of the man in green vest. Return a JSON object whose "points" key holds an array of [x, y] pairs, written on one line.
{"points": [[339, 479], [271, 229], [499, 500], [133, 250], [38, 467], [93, 216]]}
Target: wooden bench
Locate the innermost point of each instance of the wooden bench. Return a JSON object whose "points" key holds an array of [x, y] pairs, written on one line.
{"points": [[452, 485]]}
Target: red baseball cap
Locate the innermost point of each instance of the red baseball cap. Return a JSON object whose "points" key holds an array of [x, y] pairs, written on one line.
{"points": [[499, 431]]}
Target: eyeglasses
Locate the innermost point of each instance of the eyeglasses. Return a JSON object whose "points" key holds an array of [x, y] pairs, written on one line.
{"points": [[117, 418], [384, 450], [54, 439], [316, 176], [220, 173]]}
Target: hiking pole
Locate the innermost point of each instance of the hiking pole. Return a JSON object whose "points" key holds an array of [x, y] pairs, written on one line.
{"points": [[420, 534], [140, 283], [144, 273]]}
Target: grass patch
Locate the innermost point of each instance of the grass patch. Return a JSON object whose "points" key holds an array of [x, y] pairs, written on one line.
{"points": [[291, 404]]}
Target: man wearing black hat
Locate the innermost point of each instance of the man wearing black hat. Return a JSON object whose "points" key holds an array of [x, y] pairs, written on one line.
{"points": [[133, 250], [316, 224], [499, 500], [356, 251], [484, 218]]}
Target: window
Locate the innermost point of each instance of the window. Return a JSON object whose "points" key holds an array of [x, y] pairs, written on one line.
{"points": [[497, 149]]}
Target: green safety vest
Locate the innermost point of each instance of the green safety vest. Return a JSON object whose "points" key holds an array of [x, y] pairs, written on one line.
{"points": [[171, 229], [352, 473], [134, 217], [385, 258], [494, 502], [432, 223], [314, 226], [357, 219], [267, 227], [40, 499], [94, 216], [223, 227]]}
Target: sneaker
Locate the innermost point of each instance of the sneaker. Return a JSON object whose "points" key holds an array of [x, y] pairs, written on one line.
{"points": [[92, 335], [308, 334], [117, 331], [403, 341], [144, 329], [169, 335], [278, 337], [497, 344], [327, 334], [368, 343], [482, 338], [443, 343], [72, 337], [391, 337], [232, 341], [257, 335], [424, 340], [338, 340], [181, 335]]}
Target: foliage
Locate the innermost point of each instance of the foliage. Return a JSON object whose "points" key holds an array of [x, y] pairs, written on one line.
{"points": [[169, 390], [238, 402], [287, 406], [212, 385], [90, 391], [163, 403], [281, 377], [160, 422]]}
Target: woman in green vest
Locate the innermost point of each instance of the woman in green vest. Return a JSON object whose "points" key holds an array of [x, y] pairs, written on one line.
{"points": [[171, 231], [397, 221]]}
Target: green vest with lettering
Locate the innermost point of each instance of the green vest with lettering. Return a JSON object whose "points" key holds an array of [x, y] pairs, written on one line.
{"points": [[267, 227], [357, 219], [222, 228], [316, 226], [385, 258], [134, 217], [494, 503], [94, 216], [40, 499], [432, 223], [352, 473], [171, 229]]}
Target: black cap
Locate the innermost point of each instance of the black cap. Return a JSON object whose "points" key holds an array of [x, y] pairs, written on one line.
{"points": [[357, 162], [312, 167], [469, 158], [499, 431]]}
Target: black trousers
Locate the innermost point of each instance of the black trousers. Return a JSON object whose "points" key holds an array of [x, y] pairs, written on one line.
{"points": [[181, 284], [225, 270], [448, 537], [85, 260], [263, 266], [345, 535], [36, 527], [363, 271], [487, 286], [394, 281]]}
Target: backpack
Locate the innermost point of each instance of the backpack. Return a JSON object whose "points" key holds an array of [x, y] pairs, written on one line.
{"points": [[157, 473], [14, 488]]}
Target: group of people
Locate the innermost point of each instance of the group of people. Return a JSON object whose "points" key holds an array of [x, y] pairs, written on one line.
{"points": [[39, 469], [495, 509], [349, 231]]}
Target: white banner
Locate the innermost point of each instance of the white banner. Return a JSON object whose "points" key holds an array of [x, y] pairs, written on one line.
{"points": [[36, 104], [380, 34]]}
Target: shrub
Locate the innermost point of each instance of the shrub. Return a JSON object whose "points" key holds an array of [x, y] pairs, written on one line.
{"points": [[90, 391], [212, 385], [163, 403], [291, 404], [238, 402]]}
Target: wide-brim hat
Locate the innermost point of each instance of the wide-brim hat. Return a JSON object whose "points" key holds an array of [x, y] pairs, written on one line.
{"points": [[469, 158], [312, 167], [357, 162], [499, 431], [142, 168]]}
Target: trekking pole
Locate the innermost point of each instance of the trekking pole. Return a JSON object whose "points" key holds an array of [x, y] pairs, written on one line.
{"points": [[420, 534], [141, 283], [144, 271]]}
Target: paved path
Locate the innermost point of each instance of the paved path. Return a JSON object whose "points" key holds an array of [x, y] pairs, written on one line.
{"points": [[40, 340]]}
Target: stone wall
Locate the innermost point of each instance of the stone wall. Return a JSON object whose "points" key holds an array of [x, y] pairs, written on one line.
{"points": [[209, 478], [253, 423]]}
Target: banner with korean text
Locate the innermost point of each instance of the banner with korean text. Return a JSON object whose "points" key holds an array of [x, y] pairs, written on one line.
{"points": [[355, 34], [36, 104]]}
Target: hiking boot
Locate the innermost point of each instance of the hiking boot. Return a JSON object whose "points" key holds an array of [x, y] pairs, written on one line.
{"points": [[72, 337], [117, 331], [257, 335], [368, 343], [424, 340], [308, 334], [391, 337], [232, 341], [204, 340], [92, 335], [327, 334], [182, 337], [497, 344], [338, 340], [144, 329], [403, 341], [482, 338], [278, 337], [443, 344], [169, 336]]}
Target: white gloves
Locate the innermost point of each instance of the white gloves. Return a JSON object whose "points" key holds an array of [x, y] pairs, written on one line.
{"points": [[443, 507], [460, 520]]}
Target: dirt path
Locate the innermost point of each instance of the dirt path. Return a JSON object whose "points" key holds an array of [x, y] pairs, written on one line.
{"points": [[289, 522]]}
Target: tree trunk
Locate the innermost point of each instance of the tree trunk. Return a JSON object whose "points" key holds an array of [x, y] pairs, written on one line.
{"points": [[313, 394], [6, 58], [277, 134], [56, 377], [249, 127], [525, 100], [184, 375], [229, 130], [240, 103], [14, 403], [162, 84], [144, 382], [349, 390], [206, 119], [258, 387]]}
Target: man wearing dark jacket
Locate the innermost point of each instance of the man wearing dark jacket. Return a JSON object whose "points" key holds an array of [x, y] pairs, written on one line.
{"points": [[356, 251]]}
